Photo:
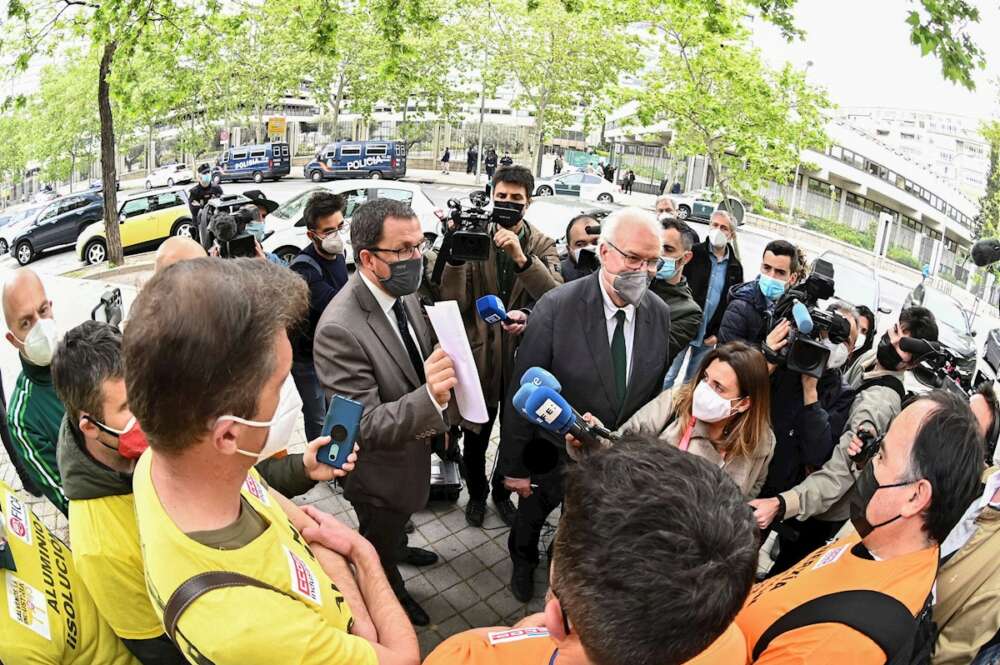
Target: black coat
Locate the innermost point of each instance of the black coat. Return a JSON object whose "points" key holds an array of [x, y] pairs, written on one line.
{"points": [[567, 335], [698, 274]]}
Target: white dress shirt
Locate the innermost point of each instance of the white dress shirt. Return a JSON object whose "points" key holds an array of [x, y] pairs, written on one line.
{"points": [[966, 527], [610, 310], [385, 302]]}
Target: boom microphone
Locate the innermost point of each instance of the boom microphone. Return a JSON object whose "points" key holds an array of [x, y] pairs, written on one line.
{"points": [[541, 377], [550, 411], [803, 320], [986, 252], [491, 309]]}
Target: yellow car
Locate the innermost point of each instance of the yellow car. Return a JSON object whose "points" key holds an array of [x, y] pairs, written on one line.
{"points": [[144, 220]]}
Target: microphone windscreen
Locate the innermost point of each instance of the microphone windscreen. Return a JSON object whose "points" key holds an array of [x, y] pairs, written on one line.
{"points": [[803, 321], [549, 410], [522, 395], [541, 377], [491, 309], [986, 252]]}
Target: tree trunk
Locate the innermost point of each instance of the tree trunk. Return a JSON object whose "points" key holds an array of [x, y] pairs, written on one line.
{"points": [[72, 170], [539, 137], [337, 101], [108, 166]]}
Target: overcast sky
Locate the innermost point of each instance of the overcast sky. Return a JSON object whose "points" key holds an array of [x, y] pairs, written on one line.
{"points": [[861, 53]]}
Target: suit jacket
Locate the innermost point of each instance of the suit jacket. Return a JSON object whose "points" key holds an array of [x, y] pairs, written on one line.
{"points": [[359, 356], [567, 334]]}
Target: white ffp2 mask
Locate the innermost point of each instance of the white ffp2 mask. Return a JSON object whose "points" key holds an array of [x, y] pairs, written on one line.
{"points": [[281, 425]]}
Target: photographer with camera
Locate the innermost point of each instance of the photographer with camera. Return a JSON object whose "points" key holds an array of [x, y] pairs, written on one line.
{"points": [[581, 248], [520, 265], [878, 395], [201, 194], [748, 314]]}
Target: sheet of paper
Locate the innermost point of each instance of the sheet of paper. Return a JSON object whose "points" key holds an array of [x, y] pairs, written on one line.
{"points": [[447, 323]]}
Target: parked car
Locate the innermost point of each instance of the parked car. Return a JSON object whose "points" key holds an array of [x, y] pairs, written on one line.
{"points": [[145, 220], [18, 222], [253, 162], [581, 185], [954, 325], [289, 228], [855, 282], [58, 225], [169, 175], [698, 206], [354, 159]]}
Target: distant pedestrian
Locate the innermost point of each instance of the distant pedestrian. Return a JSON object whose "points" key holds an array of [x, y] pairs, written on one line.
{"points": [[591, 170], [676, 189], [609, 172], [557, 167], [471, 159], [446, 161], [627, 181], [490, 163], [506, 160]]}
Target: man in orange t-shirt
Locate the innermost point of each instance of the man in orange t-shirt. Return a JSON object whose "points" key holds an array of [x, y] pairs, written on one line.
{"points": [[903, 505], [655, 553]]}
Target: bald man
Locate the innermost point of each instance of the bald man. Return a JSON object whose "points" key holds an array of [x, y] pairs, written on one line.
{"points": [[35, 411], [178, 248]]}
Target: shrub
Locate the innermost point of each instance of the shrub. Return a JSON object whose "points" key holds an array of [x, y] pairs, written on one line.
{"points": [[900, 255], [842, 232]]}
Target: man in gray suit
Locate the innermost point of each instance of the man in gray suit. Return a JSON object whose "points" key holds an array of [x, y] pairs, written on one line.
{"points": [[605, 339], [373, 345]]}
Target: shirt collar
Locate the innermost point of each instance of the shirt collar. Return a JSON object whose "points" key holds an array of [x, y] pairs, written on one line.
{"points": [[384, 300], [610, 308], [715, 259]]}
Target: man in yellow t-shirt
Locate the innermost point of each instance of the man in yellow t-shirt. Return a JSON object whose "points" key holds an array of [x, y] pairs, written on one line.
{"points": [[655, 553], [46, 615], [210, 412]]}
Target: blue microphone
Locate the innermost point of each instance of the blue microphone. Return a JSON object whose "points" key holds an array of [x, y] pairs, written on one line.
{"points": [[550, 411], [803, 321], [491, 310], [541, 377], [521, 397]]}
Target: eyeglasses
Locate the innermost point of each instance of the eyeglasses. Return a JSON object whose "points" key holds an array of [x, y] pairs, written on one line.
{"points": [[633, 262], [406, 252], [345, 226]]}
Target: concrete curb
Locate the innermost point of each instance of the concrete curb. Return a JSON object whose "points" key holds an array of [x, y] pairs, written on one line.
{"points": [[102, 272]]}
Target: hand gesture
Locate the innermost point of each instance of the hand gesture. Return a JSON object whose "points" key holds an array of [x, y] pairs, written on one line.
{"points": [[507, 240], [332, 533], [764, 511], [516, 322], [440, 373]]}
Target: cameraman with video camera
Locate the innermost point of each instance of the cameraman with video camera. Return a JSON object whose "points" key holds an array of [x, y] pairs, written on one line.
{"points": [[201, 194], [581, 248], [521, 264]]}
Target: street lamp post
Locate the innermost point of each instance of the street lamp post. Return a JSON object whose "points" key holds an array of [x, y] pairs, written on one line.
{"points": [[798, 161]]}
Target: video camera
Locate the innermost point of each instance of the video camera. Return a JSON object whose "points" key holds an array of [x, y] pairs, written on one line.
{"points": [[225, 218], [805, 353], [467, 238], [939, 366]]}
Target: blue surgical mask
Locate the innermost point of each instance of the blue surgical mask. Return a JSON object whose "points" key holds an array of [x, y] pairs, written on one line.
{"points": [[257, 230], [668, 269], [771, 288]]}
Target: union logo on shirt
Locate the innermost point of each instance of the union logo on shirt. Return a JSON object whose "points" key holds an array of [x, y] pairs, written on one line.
{"points": [[27, 606], [303, 580], [256, 490], [17, 519]]}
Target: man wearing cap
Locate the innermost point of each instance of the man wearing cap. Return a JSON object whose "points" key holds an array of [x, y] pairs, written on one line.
{"points": [[201, 194]]}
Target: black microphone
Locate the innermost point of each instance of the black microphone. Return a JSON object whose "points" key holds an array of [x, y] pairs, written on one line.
{"points": [[986, 252]]}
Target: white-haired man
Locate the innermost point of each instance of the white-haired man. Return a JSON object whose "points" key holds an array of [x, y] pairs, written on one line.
{"points": [[605, 339]]}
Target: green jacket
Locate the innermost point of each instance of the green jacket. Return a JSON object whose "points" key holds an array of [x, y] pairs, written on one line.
{"points": [[685, 314], [34, 414]]}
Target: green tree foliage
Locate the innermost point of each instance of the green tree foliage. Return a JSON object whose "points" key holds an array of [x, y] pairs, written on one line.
{"points": [[988, 221]]}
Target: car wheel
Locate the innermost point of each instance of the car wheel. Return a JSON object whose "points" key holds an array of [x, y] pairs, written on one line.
{"points": [[23, 253], [258, 177], [95, 252], [3, 246], [605, 198], [217, 180], [375, 175], [149, 185], [185, 229], [544, 191], [286, 254], [170, 182], [683, 212], [316, 176]]}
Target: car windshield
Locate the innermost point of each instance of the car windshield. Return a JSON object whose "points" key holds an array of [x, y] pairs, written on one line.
{"points": [[852, 282], [945, 310], [293, 207]]}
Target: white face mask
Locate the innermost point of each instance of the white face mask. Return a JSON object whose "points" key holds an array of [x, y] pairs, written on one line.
{"points": [[578, 252], [860, 344], [717, 238], [838, 354], [281, 424], [333, 244], [40, 342], [709, 406]]}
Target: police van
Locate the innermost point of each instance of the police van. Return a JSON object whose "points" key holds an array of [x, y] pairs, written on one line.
{"points": [[358, 159], [253, 162]]}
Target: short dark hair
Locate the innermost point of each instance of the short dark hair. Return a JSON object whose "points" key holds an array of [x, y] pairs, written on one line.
{"points": [[644, 526], [688, 236], [578, 218], [785, 248], [986, 391], [919, 322], [516, 175], [948, 453], [87, 356], [320, 206], [199, 343], [368, 221]]}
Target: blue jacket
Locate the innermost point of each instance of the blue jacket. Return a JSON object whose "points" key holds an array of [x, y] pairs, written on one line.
{"points": [[747, 317], [325, 278]]}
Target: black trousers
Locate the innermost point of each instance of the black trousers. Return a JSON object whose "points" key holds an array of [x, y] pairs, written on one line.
{"points": [[385, 530], [799, 539], [474, 447], [531, 515]]}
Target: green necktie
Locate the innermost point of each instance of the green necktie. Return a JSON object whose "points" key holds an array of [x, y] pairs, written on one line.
{"points": [[618, 357]]}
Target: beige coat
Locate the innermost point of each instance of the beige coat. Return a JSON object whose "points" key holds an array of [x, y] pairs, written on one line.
{"points": [[748, 473]]}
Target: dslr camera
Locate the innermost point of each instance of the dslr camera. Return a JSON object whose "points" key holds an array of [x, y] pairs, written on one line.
{"points": [[805, 353], [225, 220]]}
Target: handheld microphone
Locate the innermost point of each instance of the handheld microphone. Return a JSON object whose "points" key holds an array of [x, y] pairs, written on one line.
{"points": [[550, 411], [986, 252], [541, 377], [520, 398], [491, 309], [803, 321]]}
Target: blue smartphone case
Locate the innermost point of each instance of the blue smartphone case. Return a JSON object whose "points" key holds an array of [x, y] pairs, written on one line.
{"points": [[343, 420]]}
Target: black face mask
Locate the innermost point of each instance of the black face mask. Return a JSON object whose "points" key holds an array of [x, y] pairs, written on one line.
{"points": [[887, 355], [860, 495], [507, 213]]}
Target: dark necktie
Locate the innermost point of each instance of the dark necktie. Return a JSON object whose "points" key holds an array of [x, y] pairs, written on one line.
{"points": [[411, 347], [618, 356]]}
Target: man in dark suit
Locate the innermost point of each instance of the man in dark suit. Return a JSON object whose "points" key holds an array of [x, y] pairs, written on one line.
{"points": [[605, 339], [373, 345]]}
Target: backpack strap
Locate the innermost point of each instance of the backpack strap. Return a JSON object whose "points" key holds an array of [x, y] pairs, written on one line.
{"points": [[308, 260], [880, 617], [199, 585], [886, 381]]}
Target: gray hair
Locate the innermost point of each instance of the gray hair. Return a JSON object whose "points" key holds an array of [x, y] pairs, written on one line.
{"points": [[725, 215], [631, 216], [669, 199], [368, 220]]}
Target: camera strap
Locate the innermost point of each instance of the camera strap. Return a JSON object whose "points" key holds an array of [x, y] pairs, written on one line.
{"points": [[443, 255]]}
